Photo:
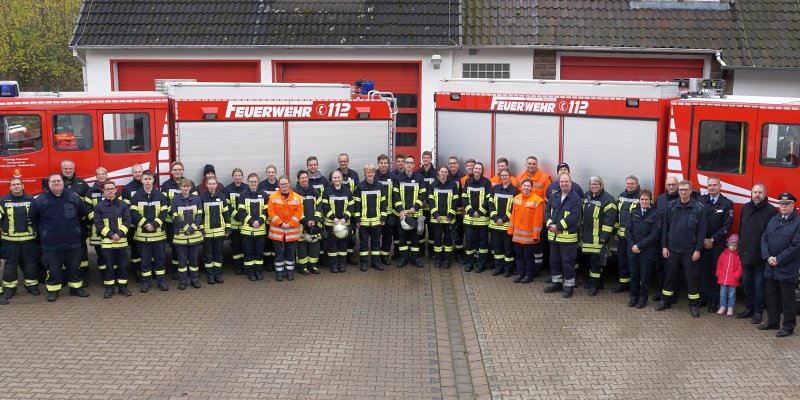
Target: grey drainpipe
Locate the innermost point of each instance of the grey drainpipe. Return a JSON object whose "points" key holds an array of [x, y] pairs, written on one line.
{"points": [[83, 69]]}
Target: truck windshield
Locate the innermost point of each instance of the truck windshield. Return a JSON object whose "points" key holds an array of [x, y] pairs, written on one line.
{"points": [[20, 134]]}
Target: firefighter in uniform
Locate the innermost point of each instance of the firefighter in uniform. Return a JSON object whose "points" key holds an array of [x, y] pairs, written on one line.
{"points": [[428, 174], [455, 174], [499, 203], [555, 186], [628, 201], [171, 188], [58, 216], [385, 177], [216, 226], [127, 192], [337, 207], [410, 195], [267, 187], [670, 194], [310, 243], [81, 188], [112, 217], [476, 219], [525, 229], [396, 172], [19, 241], [251, 211], [370, 216], [562, 220], [598, 217], [540, 180], [315, 178], [187, 219], [682, 233], [442, 199], [285, 211], [94, 196], [149, 210], [719, 218], [502, 165], [234, 190], [780, 248], [644, 237], [350, 179]]}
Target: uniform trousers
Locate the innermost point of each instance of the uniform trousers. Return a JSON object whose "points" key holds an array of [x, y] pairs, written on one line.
{"points": [[691, 272], [369, 244], [116, 267], [781, 299], [152, 254], [562, 262], [20, 255]]}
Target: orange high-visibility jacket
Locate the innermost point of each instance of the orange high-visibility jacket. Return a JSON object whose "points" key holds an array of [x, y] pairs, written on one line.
{"points": [[540, 181], [287, 210], [527, 219], [496, 181]]}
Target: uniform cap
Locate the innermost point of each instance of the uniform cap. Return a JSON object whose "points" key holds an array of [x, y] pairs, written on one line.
{"points": [[562, 165], [208, 168], [786, 197]]}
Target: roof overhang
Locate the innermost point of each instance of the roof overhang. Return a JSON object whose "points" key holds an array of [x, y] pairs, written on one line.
{"points": [[758, 68], [229, 47], [597, 48]]}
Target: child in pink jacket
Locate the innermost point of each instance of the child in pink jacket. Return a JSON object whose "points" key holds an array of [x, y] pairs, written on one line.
{"points": [[729, 271]]}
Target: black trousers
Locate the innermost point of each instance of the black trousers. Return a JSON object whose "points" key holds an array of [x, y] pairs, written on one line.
{"points": [[253, 247], [116, 267], [754, 287], [476, 242], [236, 248], [691, 272], [408, 245], [503, 249], [528, 259], [709, 290], [442, 237], [212, 249], [20, 254], [308, 254], [623, 269], [187, 260], [337, 249], [70, 260], [152, 254], [780, 299], [387, 234], [562, 262], [641, 266], [369, 244]]}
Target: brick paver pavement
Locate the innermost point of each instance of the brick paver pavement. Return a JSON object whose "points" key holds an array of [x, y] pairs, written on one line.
{"points": [[536, 345], [404, 333], [344, 336]]}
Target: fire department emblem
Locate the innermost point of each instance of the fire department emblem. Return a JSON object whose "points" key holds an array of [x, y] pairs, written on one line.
{"points": [[17, 173]]}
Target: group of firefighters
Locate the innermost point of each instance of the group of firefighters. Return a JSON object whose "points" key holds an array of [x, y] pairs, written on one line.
{"points": [[455, 215]]}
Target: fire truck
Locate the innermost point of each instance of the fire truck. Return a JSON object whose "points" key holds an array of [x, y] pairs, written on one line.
{"points": [[616, 129], [229, 125]]}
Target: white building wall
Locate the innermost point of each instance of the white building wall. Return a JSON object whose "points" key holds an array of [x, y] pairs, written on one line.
{"points": [[766, 83], [99, 64]]}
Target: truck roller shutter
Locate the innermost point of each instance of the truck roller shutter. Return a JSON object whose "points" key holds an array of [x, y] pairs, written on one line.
{"points": [[249, 145], [612, 149], [362, 140], [465, 135], [519, 136]]}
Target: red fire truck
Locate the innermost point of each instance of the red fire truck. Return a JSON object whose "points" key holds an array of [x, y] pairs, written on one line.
{"points": [[615, 129], [228, 125]]}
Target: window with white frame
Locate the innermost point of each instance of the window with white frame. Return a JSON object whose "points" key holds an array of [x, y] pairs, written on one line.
{"points": [[492, 71]]}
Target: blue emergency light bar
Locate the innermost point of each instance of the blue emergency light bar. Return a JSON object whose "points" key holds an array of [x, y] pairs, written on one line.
{"points": [[9, 89]]}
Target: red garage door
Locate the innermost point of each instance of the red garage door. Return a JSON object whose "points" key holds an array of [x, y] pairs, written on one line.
{"points": [[400, 78], [630, 69], [141, 75]]}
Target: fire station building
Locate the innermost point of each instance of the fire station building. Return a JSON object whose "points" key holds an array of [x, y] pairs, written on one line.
{"points": [[407, 47]]}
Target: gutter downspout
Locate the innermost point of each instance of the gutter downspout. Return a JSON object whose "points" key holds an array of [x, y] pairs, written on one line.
{"points": [[83, 69], [718, 56]]}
